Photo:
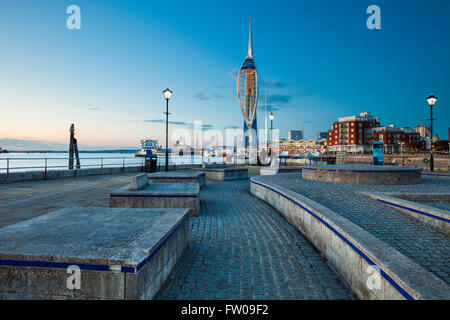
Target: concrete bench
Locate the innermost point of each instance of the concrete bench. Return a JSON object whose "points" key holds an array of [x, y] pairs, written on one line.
{"points": [[158, 195], [120, 253], [177, 177], [224, 174], [273, 170], [139, 182]]}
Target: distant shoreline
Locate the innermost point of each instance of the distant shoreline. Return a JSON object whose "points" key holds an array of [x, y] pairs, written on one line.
{"points": [[93, 151]]}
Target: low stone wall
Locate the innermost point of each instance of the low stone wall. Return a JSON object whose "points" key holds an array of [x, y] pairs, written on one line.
{"points": [[266, 171], [117, 257], [158, 195], [436, 174], [435, 218], [224, 174], [362, 174], [63, 174], [177, 177], [351, 250]]}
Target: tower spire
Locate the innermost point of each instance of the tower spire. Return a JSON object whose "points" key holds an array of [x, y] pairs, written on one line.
{"points": [[250, 44]]}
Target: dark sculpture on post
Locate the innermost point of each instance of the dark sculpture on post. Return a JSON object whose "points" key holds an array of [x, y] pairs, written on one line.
{"points": [[73, 149]]}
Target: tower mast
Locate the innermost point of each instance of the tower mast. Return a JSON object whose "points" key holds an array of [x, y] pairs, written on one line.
{"points": [[250, 44]]}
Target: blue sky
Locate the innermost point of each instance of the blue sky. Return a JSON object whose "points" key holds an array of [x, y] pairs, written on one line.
{"points": [[318, 60]]}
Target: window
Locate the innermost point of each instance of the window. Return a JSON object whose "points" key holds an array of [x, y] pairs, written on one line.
{"points": [[360, 125]]}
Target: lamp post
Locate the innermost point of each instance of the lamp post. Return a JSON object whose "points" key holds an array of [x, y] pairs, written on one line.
{"points": [[271, 117], [431, 102], [167, 95]]}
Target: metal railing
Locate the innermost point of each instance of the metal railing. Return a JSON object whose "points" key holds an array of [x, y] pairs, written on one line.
{"points": [[85, 163]]}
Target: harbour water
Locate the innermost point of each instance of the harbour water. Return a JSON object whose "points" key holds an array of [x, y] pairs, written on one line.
{"points": [[37, 161]]}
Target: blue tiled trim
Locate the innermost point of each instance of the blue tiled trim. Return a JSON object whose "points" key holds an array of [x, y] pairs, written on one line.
{"points": [[353, 170], [218, 170], [402, 291], [440, 175], [53, 265], [414, 210], [141, 264], [90, 267], [173, 178], [149, 196]]}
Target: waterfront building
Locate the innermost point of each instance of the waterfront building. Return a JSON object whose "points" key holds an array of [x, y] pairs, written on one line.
{"points": [[295, 135], [396, 139], [322, 135], [302, 147], [423, 131], [352, 134], [247, 91]]}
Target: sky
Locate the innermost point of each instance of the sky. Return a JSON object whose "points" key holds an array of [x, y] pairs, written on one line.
{"points": [[317, 59]]}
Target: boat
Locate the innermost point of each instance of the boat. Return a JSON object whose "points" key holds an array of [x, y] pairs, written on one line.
{"points": [[3, 150], [150, 148]]}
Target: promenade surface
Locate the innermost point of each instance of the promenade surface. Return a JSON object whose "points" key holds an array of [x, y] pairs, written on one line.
{"points": [[239, 247], [26, 200], [427, 247]]}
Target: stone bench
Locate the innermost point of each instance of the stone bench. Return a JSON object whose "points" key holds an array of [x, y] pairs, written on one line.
{"points": [[158, 195], [273, 170], [139, 182], [120, 253], [435, 218], [224, 174], [177, 177], [362, 174]]}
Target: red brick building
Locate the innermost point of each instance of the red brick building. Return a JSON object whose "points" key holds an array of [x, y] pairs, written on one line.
{"points": [[352, 134], [396, 139]]}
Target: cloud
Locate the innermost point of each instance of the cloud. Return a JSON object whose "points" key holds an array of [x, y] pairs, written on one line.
{"points": [[29, 144], [201, 96], [275, 84], [95, 108], [270, 107], [280, 98], [181, 123]]}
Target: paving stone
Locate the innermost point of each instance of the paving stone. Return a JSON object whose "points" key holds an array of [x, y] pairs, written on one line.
{"points": [[420, 243], [246, 250]]}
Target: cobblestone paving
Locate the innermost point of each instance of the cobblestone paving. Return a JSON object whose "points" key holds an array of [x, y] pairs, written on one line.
{"points": [[444, 205], [240, 248], [426, 247]]}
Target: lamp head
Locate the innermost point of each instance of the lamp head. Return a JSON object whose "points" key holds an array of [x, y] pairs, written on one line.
{"points": [[167, 94], [431, 100], [271, 116]]}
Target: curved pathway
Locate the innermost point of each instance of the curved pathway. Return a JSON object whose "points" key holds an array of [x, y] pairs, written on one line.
{"points": [[420, 243], [240, 248]]}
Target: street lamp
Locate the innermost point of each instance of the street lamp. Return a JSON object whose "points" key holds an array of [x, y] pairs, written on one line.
{"points": [[431, 101], [271, 117], [167, 95]]}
